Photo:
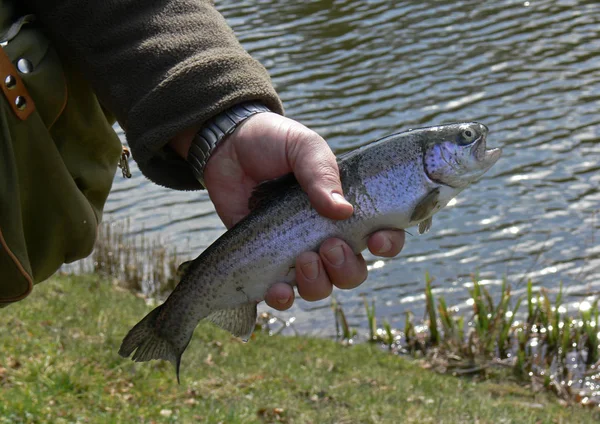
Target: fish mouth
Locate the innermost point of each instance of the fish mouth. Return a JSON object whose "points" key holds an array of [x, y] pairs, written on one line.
{"points": [[486, 157]]}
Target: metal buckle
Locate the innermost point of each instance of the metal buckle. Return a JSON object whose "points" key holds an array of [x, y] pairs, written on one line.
{"points": [[123, 163]]}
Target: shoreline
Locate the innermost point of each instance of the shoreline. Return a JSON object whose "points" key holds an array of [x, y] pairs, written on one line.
{"points": [[60, 364]]}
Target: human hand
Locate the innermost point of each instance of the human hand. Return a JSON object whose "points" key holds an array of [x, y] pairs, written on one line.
{"points": [[267, 146]]}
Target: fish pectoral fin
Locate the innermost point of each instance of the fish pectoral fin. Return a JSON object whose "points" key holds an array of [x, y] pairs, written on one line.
{"points": [[239, 321], [426, 206], [425, 225]]}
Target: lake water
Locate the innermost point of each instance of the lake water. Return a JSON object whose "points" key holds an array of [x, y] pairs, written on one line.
{"points": [[355, 71]]}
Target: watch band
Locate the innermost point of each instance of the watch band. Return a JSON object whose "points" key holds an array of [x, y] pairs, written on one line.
{"points": [[216, 129]]}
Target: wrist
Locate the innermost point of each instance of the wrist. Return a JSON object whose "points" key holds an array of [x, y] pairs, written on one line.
{"points": [[214, 131], [181, 142]]}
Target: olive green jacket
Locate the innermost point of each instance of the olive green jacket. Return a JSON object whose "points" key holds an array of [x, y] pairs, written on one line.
{"points": [[160, 66]]}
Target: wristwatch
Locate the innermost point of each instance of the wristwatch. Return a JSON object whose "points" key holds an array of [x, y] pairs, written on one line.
{"points": [[215, 130]]}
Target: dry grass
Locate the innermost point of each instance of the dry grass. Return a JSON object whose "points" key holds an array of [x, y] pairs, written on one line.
{"points": [[139, 263]]}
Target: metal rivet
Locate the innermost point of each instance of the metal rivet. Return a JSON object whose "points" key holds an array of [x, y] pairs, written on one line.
{"points": [[24, 66], [10, 82], [20, 102]]}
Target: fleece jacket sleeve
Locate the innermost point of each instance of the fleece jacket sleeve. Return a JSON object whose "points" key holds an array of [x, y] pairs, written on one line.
{"points": [[160, 66]]}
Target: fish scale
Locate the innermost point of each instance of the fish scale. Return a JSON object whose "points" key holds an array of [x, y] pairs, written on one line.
{"points": [[394, 183]]}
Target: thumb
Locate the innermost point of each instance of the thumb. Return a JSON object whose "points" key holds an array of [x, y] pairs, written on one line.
{"points": [[316, 169]]}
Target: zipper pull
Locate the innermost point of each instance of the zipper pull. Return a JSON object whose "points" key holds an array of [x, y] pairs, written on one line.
{"points": [[123, 164]]}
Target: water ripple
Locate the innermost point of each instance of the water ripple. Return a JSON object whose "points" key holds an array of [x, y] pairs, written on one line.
{"points": [[357, 70]]}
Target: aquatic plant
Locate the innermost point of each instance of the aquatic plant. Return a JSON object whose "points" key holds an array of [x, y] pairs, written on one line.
{"points": [[342, 329], [547, 348]]}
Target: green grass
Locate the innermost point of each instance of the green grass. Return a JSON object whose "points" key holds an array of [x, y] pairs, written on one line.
{"points": [[59, 363]]}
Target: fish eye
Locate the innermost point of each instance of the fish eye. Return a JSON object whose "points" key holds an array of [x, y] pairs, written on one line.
{"points": [[468, 136]]}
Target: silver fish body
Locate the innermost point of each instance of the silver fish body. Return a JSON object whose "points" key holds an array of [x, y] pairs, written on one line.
{"points": [[395, 183]]}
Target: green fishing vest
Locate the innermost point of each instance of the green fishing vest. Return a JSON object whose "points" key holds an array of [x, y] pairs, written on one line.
{"points": [[58, 156]]}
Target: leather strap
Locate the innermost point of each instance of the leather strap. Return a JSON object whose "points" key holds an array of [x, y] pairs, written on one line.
{"points": [[13, 88], [21, 270]]}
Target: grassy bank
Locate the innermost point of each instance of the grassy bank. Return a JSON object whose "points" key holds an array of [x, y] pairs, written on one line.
{"points": [[58, 363]]}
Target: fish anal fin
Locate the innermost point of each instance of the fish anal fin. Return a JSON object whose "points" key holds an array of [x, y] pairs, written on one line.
{"points": [[266, 190], [238, 321], [426, 206]]}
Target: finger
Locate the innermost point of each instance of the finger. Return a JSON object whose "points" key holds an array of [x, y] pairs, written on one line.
{"points": [[280, 296], [312, 280], [387, 243], [345, 269], [316, 169]]}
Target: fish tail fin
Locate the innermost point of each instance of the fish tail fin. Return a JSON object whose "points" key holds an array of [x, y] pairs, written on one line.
{"points": [[148, 344]]}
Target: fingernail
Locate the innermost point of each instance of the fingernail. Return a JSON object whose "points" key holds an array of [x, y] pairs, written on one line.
{"points": [[338, 198], [283, 300], [387, 246], [335, 255], [311, 270]]}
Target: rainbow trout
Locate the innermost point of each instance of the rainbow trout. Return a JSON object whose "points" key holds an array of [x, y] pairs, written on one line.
{"points": [[397, 182]]}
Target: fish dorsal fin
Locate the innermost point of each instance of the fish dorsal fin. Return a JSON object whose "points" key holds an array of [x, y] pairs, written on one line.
{"points": [[239, 321], [266, 190], [181, 269], [426, 206]]}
